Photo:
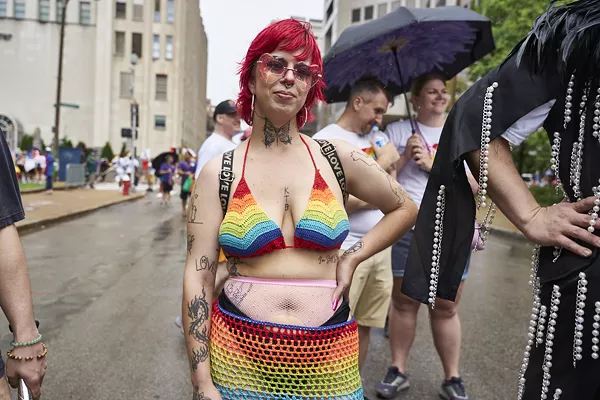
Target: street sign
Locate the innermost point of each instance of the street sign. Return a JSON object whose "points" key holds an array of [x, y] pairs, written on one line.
{"points": [[126, 133], [69, 105]]}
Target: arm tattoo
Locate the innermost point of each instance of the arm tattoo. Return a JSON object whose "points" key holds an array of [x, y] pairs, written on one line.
{"points": [[329, 259], [204, 263], [232, 266], [394, 185], [273, 134], [198, 312], [358, 246], [198, 395], [193, 209], [286, 194], [190, 243]]}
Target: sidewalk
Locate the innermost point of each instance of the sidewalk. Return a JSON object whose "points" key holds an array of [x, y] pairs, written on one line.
{"points": [[42, 209]]}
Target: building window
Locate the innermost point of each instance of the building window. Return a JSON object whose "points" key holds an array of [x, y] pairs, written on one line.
{"points": [[170, 10], [160, 122], [136, 44], [125, 88], [161, 87], [155, 47], [119, 44], [44, 10], [19, 9], [381, 10], [121, 10], [368, 13], [3, 8], [156, 10], [85, 13], [409, 3], [441, 3], [138, 10], [329, 11], [356, 15], [169, 48], [59, 9]]}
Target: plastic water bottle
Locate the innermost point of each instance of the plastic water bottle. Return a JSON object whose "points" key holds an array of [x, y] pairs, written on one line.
{"points": [[379, 137]]}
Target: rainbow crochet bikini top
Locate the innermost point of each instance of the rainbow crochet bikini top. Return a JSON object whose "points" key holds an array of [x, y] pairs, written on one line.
{"points": [[246, 231]]}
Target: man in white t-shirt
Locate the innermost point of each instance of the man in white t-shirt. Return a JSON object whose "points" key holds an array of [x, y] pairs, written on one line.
{"points": [[227, 124], [371, 287]]}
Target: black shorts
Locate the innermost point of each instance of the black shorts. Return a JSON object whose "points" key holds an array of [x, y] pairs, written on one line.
{"points": [[166, 187], [184, 195]]}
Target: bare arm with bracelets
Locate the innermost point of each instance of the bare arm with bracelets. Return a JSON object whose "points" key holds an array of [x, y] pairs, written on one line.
{"points": [[15, 289], [556, 225]]}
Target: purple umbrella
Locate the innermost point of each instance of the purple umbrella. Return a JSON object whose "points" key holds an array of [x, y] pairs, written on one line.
{"points": [[405, 44]]}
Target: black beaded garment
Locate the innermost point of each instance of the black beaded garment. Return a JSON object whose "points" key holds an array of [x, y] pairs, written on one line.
{"points": [[556, 66]]}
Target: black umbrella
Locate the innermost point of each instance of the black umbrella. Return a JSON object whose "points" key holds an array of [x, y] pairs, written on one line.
{"points": [[162, 158], [405, 44]]}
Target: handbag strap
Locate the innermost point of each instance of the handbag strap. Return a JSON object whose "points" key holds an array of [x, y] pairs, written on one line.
{"points": [[330, 153], [226, 177]]}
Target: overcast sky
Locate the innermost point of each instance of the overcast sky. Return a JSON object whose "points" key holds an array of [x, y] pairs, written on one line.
{"points": [[231, 25]]}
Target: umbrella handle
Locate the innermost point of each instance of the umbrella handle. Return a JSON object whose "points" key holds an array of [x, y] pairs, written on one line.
{"points": [[412, 124]]}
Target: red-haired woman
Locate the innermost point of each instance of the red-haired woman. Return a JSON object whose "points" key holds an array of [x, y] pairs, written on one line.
{"points": [[282, 327]]}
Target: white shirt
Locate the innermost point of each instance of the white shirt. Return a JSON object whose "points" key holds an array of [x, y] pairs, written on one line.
{"points": [[528, 124], [213, 146], [361, 221], [411, 177]]}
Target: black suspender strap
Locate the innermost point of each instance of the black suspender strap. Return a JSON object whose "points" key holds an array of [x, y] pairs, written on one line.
{"points": [[226, 176], [329, 151]]}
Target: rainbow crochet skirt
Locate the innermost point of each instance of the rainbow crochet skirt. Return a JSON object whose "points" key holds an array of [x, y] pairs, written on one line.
{"points": [[259, 360]]}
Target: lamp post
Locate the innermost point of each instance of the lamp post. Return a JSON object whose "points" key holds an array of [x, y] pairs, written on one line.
{"points": [[59, 79], [134, 117]]}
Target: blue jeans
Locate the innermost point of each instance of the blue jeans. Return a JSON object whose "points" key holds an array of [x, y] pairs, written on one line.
{"points": [[48, 183], [400, 256]]}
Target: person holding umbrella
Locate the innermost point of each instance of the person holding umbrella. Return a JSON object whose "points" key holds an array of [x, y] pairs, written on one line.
{"points": [[417, 152]]}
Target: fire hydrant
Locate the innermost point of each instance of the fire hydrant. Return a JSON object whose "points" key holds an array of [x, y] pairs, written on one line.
{"points": [[126, 186]]}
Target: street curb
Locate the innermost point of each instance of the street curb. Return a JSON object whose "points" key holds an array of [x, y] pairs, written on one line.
{"points": [[29, 226], [43, 189]]}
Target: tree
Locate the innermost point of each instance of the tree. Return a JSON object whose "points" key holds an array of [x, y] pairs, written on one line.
{"points": [[26, 142], [107, 152], [123, 150], [511, 21]]}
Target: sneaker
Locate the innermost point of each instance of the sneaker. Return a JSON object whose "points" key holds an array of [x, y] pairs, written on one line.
{"points": [[179, 323], [453, 389], [393, 383]]}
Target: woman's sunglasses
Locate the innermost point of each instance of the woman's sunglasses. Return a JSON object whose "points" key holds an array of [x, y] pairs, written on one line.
{"points": [[273, 68]]}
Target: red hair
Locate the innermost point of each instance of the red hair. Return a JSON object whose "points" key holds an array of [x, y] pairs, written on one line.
{"points": [[287, 35]]}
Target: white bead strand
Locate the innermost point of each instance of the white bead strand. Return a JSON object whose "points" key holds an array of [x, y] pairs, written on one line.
{"points": [[579, 320], [596, 331], [486, 132], [547, 362], [437, 245]]}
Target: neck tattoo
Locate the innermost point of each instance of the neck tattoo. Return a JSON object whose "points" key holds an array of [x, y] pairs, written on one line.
{"points": [[272, 133]]}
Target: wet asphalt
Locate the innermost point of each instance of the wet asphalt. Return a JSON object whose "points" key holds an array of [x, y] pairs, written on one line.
{"points": [[107, 289]]}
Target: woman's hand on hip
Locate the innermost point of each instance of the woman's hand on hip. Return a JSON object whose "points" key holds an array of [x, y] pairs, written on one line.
{"points": [[344, 272], [563, 223]]}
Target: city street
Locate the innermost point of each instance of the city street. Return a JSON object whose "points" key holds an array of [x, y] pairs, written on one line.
{"points": [[107, 289]]}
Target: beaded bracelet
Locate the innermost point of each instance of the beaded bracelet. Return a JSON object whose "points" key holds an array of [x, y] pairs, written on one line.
{"points": [[25, 344], [19, 358]]}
